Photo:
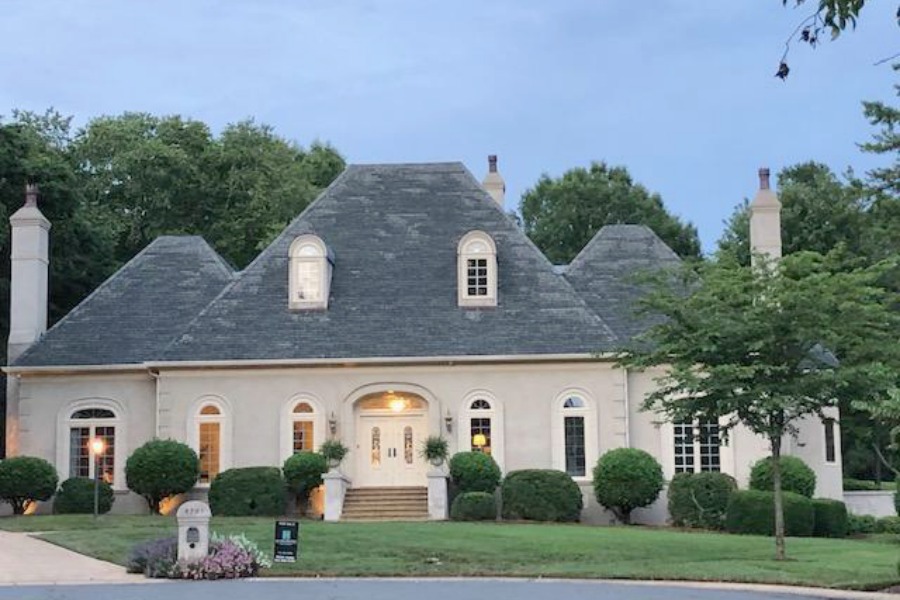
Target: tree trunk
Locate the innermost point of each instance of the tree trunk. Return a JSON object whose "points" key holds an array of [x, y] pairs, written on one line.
{"points": [[18, 507], [779, 505]]}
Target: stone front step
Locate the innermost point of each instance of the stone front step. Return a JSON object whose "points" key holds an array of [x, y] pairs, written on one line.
{"points": [[386, 504]]}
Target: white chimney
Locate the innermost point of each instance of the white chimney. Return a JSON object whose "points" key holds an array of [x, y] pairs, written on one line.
{"points": [[765, 220], [28, 290], [493, 183]]}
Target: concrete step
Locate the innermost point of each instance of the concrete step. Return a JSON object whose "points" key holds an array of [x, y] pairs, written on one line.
{"points": [[386, 504]]}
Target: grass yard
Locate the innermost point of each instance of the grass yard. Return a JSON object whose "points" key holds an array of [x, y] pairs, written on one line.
{"points": [[515, 550]]}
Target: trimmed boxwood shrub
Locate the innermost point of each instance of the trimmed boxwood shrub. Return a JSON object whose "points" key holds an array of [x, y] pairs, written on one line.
{"points": [[861, 524], [753, 512], [251, 491], [24, 479], [303, 473], [76, 496], [860, 485], [541, 495], [887, 525], [474, 506], [161, 468], [796, 476], [700, 499], [474, 472], [626, 479], [831, 518]]}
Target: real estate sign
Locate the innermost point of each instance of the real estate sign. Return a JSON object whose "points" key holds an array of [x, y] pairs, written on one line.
{"points": [[287, 541]]}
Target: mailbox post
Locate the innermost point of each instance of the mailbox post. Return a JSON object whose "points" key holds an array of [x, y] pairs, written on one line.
{"points": [[193, 530]]}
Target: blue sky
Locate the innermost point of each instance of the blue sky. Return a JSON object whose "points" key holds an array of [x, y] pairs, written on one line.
{"points": [[679, 91]]}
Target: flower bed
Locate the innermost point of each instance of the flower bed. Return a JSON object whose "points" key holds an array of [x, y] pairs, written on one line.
{"points": [[230, 557]]}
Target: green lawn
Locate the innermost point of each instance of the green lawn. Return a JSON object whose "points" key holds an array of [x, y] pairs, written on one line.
{"points": [[520, 550]]}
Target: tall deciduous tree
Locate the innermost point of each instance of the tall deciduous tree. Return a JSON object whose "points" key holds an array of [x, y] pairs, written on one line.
{"points": [[749, 344], [562, 215]]}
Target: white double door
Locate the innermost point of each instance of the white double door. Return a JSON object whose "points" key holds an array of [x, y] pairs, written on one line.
{"points": [[388, 451]]}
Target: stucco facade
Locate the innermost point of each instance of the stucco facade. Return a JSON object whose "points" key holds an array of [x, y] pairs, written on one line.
{"points": [[403, 303]]}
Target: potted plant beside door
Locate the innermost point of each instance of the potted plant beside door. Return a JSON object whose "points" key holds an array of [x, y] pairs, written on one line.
{"points": [[334, 452], [435, 450]]}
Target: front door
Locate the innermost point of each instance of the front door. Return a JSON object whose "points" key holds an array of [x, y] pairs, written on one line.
{"points": [[388, 451]]}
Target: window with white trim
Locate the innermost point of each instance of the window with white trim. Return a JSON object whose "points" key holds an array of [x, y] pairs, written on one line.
{"points": [[480, 425], [310, 273], [573, 436], [209, 436], [697, 446], [86, 424], [830, 450], [303, 428], [477, 270]]}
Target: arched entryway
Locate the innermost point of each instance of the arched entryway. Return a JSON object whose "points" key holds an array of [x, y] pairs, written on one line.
{"points": [[390, 428]]}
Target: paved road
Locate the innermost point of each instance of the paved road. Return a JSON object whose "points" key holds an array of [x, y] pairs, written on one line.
{"points": [[379, 590]]}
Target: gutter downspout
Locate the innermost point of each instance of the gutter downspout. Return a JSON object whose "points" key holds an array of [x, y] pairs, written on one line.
{"points": [[154, 373], [627, 408]]}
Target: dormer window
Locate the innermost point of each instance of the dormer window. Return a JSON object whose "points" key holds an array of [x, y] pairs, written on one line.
{"points": [[477, 270], [310, 273]]}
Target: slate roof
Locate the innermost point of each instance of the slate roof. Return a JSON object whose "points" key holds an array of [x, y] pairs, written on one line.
{"points": [[604, 273], [138, 311], [393, 231]]}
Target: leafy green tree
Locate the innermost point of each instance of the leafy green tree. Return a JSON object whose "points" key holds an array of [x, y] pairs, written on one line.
{"points": [[819, 212], [748, 344], [161, 468], [562, 215]]}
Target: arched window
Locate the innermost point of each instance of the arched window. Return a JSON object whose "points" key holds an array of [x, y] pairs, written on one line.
{"points": [[574, 433], [310, 273], [85, 425], [477, 270], [209, 438], [302, 428], [481, 425], [81, 422], [302, 425]]}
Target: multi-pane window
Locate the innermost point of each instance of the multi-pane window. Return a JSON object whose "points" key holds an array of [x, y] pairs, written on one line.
{"points": [[309, 279], [86, 425], [477, 270], [697, 446], [302, 430], [210, 442], [477, 277], [480, 426], [575, 447]]}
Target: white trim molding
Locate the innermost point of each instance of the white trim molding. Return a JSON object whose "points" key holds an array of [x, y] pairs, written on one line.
{"points": [[587, 410], [65, 422], [226, 429], [288, 417], [494, 413]]}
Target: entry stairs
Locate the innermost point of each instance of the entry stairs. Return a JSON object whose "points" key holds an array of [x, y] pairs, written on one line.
{"points": [[386, 504]]}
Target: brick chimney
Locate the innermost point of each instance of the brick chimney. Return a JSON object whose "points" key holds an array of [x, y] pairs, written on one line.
{"points": [[493, 182], [765, 219]]}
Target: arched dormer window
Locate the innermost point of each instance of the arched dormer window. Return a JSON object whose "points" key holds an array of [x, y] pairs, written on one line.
{"points": [[477, 270], [310, 273]]}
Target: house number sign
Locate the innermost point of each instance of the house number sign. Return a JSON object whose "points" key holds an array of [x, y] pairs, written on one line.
{"points": [[287, 541]]}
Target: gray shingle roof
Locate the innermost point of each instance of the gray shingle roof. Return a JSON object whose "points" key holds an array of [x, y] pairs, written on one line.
{"points": [[137, 312], [394, 232], [604, 271]]}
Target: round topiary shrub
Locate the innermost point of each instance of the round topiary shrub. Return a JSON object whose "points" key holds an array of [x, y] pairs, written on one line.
{"points": [[700, 499], [25, 479], [252, 491], [76, 496], [303, 473], [161, 468], [831, 518], [796, 476], [541, 495], [474, 506], [753, 512], [474, 472], [626, 479]]}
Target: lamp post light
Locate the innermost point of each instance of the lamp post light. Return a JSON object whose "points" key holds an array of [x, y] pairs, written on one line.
{"points": [[97, 447]]}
